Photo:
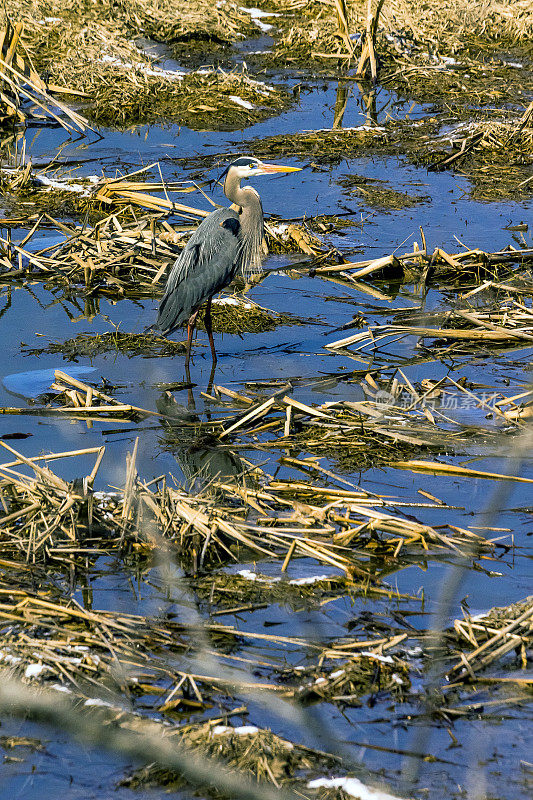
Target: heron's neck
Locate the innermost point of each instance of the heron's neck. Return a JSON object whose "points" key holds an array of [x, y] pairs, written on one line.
{"points": [[243, 198], [248, 205]]}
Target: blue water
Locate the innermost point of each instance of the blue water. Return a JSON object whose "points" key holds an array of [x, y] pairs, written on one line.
{"points": [[297, 354]]}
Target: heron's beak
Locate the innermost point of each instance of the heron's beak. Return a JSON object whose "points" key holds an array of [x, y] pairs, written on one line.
{"points": [[269, 169]]}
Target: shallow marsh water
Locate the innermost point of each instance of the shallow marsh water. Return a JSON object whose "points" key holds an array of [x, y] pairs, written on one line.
{"points": [[491, 746]]}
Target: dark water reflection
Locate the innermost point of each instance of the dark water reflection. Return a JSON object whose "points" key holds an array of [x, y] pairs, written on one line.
{"points": [[33, 315]]}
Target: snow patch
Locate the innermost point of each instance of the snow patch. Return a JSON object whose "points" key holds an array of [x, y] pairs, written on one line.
{"points": [[256, 14], [373, 128], [231, 301], [248, 575], [96, 701], [280, 229], [449, 61], [34, 670], [8, 658], [310, 580], [155, 72], [351, 786], [61, 185], [383, 659], [243, 730], [240, 102]]}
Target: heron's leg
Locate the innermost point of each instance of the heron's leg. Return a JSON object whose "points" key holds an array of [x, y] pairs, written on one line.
{"points": [[190, 328], [209, 329], [211, 378], [191, 405]]}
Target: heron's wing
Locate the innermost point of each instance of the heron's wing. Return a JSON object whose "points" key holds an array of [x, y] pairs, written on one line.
{"points": [[208, 262]]}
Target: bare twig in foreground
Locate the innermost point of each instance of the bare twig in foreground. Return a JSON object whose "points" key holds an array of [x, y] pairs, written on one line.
{"points": [[146, 744], [448, 595]]}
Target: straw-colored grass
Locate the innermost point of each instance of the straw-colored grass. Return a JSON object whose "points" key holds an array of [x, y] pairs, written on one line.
{"points": [[426, 49], [406, 24], [46, 519], [94, 49], [491, 637], [252, 751]]}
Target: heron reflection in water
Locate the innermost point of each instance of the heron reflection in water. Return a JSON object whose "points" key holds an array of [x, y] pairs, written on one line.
{"points": [[204, 462], [227, 241]]}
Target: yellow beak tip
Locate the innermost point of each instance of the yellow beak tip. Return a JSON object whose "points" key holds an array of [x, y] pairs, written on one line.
{"points": [[283, 168]]}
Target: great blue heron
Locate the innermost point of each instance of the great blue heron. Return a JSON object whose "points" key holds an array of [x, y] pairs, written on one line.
{"points": [[227, 241]]}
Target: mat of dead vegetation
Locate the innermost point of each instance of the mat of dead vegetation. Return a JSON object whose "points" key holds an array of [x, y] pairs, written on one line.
{"points": [[169, 670], [227, 538], [432, 50], [95, 53]]}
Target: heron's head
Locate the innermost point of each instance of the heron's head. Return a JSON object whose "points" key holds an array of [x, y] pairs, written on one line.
{"points": [[248, 167]]}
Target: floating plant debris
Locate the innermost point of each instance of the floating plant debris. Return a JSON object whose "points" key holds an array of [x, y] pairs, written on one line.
{"points": [[91, 52], [189, 558], [493, 636], [279, 519]]}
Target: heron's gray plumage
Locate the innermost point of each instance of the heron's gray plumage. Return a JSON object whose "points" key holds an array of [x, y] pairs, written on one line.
{"points": [[227, 241], [209, 261]]}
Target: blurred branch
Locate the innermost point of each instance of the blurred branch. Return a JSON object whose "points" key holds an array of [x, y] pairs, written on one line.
{"points": [[311, 720], [447, 598], [100, 727]]}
